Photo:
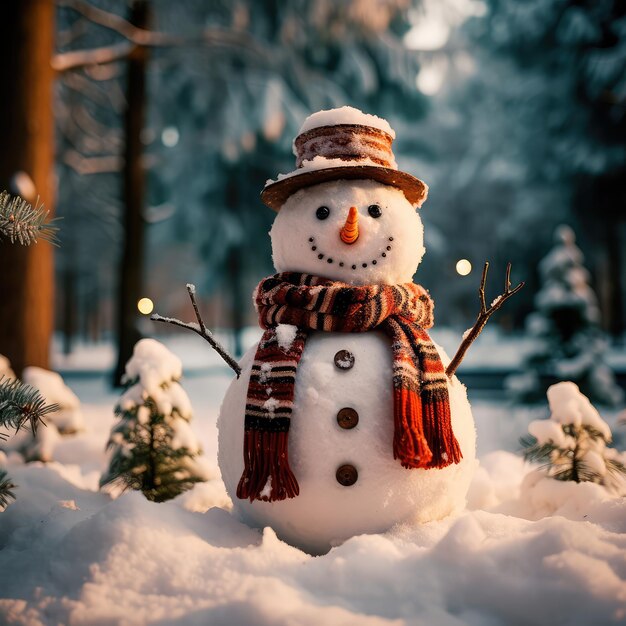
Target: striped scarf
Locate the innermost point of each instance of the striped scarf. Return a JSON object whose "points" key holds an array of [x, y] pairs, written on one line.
{"points": [[423, 436]]}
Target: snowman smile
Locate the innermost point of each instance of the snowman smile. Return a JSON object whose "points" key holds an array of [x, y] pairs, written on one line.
{"points": [[378, 258]]}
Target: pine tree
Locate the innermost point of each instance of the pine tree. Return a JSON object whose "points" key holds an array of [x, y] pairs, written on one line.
{"points": [[565, 326], [572, 443], [153, 447], [20, 406]]}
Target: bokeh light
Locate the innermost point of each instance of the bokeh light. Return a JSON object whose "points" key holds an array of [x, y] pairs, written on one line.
{"points": [[463, 267], [145, 306]]}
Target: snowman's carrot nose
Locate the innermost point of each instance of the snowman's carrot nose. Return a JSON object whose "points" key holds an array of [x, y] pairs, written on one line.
{"points": [[349, 232]]}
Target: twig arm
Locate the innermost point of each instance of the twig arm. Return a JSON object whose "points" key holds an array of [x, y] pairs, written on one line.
{"points": [[200, 329], [483, 316]]}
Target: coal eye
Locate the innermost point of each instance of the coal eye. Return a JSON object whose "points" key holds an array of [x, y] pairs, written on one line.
{"points": [[322, 213], [374, 210]]}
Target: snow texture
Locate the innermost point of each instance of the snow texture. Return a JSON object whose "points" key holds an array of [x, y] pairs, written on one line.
{"points": [[71, 555], [345, 115], [152, 363], [391, 246], [569, 406], [285, 334], [69, 418]]}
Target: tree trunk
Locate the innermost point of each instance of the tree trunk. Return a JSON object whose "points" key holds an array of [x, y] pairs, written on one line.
{"points": [[27, 136], [131, 268]]}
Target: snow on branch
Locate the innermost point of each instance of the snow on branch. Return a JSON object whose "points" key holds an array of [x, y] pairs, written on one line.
{"points": [[483, 316], [200, 329], [21, 222]]}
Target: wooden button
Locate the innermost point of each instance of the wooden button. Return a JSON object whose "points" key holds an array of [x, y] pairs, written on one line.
{"points": [[347, 418], [344, 359], [347, 475]]}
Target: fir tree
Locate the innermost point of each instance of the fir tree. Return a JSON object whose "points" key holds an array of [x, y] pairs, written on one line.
{"points": [[569, 344], [572, 443], [153, 447]]}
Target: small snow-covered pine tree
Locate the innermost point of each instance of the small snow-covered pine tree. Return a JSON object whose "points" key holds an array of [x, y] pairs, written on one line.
{"points": [[572, 443], [153, 447], [568, 341]]}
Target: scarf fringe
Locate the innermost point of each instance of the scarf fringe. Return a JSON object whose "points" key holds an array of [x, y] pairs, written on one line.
{"points": [[409, 444], [438, 431], [267, 475], [423, 436]]}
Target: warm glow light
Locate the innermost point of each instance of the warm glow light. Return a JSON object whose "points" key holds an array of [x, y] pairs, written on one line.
{"points": [[170, 136], [145, 306], [463, 267]]}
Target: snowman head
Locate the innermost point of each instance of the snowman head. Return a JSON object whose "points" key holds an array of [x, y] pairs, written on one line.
{"points": [[355, 231], [347, 213]]}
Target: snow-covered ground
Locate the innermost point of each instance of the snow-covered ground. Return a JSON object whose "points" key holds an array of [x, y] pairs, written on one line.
{"points": [[526, 551]]}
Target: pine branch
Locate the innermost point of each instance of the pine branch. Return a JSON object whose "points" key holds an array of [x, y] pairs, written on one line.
{"points": [[201, 330], [535, 452], [21, 404], [21, 222], [483, 316], [6, 490]]}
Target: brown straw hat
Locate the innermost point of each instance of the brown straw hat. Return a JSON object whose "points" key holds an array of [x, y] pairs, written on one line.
{"points": [[346, 151]]}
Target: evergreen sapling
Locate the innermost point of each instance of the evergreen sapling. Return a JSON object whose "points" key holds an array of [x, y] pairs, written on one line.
{"points": [[572, 443], [153, 447], [568, 341]]}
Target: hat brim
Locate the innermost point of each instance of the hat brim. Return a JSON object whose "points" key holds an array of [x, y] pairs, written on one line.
{"points": [[275, 194]]}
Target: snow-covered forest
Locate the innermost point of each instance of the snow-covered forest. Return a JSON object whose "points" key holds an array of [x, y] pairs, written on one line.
{"points": [[149, 474]]}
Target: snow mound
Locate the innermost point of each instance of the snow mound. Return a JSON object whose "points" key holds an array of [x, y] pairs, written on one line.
{"points": [[72, 555]]}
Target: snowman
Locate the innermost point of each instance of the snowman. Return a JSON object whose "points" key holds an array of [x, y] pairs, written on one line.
{"points": [[343, 420]]}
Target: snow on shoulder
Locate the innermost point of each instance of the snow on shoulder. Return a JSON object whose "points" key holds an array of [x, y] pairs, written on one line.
{"points": [[346, 115]]}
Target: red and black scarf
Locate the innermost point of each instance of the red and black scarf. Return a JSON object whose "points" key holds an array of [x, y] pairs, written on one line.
{"points": [[423, 436]]}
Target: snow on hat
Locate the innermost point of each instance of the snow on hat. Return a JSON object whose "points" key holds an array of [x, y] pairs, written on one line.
{"points": [[343, 143]]}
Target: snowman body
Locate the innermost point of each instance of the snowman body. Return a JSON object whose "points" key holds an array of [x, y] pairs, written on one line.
{"points": [[322, 440], [341, 429]]}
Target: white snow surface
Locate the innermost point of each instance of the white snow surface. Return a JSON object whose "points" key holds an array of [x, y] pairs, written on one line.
{"points": [[345, 115], [528, 550], [391, 246]]}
